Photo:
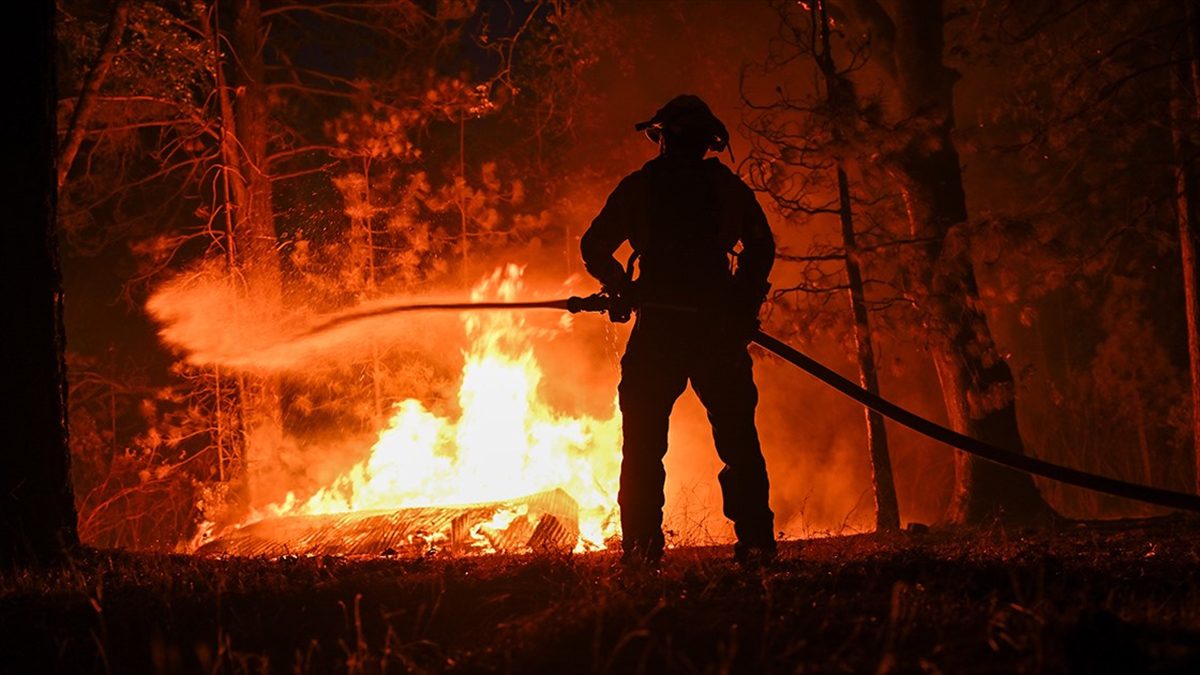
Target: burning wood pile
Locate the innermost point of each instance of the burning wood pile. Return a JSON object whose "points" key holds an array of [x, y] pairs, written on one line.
{"points": [[547, 521]]}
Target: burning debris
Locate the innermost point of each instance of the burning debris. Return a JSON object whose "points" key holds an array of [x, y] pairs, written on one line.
{"points": [[508, 472], [547, 521]]}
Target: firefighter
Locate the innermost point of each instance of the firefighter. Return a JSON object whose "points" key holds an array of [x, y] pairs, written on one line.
{"points": [[684, 216]]}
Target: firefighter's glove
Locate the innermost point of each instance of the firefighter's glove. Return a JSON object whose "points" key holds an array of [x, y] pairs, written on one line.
{"points": [[622, 300]]}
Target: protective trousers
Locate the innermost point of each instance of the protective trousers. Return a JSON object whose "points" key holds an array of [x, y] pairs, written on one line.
{"points": [[660, 359]]}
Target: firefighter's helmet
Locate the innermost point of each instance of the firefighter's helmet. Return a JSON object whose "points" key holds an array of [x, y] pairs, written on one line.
{"points": [[686, 115]]}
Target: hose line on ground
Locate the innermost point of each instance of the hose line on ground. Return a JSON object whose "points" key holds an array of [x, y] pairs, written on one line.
{"points": [[1014, 460]]}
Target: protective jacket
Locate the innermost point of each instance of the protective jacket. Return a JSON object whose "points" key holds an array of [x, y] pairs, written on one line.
{"points": [[683, 217]]}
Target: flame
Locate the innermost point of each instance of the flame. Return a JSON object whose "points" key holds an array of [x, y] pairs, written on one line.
{"points": [[507, 443]]}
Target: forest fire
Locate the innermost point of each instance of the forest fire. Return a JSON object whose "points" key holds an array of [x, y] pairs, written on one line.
{"points": [[506, 444], [565, 336]]}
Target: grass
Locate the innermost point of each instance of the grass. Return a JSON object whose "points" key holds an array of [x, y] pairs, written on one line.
{"points": [[1121, 597]]}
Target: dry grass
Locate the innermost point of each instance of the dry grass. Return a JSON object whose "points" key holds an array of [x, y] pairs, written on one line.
{"points": [[1099, 598]]}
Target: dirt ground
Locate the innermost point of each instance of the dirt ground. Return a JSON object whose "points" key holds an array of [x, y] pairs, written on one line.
{"points": [[1119, 597]]}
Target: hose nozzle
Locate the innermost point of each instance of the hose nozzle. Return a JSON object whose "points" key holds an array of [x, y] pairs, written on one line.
{"points": [[596, 302]]}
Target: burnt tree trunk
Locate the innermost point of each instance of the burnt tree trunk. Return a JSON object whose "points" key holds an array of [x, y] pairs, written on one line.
{"points": [[841, 99], [887, 511], [977, 385], [37, 508], [255, 239]]}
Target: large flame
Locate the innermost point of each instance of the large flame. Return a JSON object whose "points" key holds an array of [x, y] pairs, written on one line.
{"points": [[507, 443]]}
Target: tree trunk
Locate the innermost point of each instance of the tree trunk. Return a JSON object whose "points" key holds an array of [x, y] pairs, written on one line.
{"points": [[887, 511], [37, 508], [1185, 109], [257, 258], [977, 385], [91, 87], [372, 288], [462, 196], [231, 461]]}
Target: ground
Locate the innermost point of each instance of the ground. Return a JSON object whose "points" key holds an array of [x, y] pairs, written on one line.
{"points": [[1116, 597]]}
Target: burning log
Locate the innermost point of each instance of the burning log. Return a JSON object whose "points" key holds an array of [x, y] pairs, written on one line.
{"points": [[546, 521]]}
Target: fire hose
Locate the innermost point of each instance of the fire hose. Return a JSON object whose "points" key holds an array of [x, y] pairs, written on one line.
{"points": [[603, 303]]}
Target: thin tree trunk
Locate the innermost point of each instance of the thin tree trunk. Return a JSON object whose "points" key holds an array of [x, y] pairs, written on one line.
{"points": [[234, 194], [233, 455], [257, 238], [86, 102], [231, 180], [977, 385], [376, 365], [887, 511], [219, 420], [37, 508], [462, 196], [258, 258]]}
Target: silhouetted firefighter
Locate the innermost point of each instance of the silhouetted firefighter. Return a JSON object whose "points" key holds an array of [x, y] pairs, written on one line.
{"points": [[684, 215]]}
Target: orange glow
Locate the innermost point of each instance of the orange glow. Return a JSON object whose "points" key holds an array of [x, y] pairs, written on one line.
{"points": [[506, 443]]}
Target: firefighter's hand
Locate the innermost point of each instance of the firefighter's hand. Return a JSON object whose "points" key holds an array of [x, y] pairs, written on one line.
{"points": [[623, 299]]}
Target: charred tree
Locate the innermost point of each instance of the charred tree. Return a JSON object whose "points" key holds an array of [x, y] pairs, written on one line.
{"points": [[841, 97], [977, 384], [37, 511], [887, 511]]}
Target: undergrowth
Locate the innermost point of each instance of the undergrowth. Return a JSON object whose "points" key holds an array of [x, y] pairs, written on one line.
{"points": [[1121, 597]]}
